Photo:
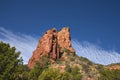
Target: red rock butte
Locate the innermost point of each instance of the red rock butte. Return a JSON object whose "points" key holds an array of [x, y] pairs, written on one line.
{"points": [[52, 44]]}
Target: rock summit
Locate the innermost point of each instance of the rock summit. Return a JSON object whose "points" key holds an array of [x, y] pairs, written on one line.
{"points": [[52, 44]]}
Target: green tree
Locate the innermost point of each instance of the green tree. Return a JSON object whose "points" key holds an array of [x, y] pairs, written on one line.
{"points": [[41, 65], [10, 63], [35, 72]]}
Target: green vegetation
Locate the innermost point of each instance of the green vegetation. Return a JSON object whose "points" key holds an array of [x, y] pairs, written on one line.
{"points": [[38, 68], [76, 68], [55, 74], [10, 63], [74, 72], [109, 74], [50, 74], [114, 64], [67, 51]]}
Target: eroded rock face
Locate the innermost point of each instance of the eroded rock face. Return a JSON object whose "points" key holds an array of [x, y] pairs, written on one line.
{"points": [[52, 44], [64, 39]]}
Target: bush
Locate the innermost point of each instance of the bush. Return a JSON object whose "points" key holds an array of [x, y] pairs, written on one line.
{"points": [[74, 72], [50, 74], [109, 74], [67, 51]]}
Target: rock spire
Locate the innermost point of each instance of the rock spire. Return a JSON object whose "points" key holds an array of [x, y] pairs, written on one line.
{"points": [[52, 44]]}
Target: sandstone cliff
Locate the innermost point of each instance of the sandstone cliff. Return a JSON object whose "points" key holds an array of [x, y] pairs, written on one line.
{"points": [[52, 44]]}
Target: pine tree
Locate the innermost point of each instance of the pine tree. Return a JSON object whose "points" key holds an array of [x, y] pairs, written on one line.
{"points": [[11, 64]]}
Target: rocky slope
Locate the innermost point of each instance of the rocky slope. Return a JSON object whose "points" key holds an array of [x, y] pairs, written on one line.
{"points": [[115, 66], [55, 47]]}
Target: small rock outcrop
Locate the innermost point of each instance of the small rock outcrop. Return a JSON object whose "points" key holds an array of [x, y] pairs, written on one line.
{"points": [[52, 44]]}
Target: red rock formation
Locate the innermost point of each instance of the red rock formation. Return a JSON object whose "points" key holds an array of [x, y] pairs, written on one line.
{"points": [[64, 39], [52, 44], [113, 67]]}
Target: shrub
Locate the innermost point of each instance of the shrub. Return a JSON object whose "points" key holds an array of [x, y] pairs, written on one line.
{"points": [[67, 51], [109, 74]]}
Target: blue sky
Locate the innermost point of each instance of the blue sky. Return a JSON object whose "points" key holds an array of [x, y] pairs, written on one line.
{"points": [[92, 22]]}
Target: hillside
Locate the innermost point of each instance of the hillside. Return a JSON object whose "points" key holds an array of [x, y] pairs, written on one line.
{"points": [[53, 59], [115, 66], [55, 46]]}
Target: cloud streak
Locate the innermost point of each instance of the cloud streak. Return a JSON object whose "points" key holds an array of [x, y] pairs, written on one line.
{"points": [[95, 53], [27, 44], [24, 43]]}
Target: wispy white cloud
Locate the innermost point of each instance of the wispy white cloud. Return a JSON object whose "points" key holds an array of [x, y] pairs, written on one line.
{"points": [[24, 43], [95, 53], [27, 44]]}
